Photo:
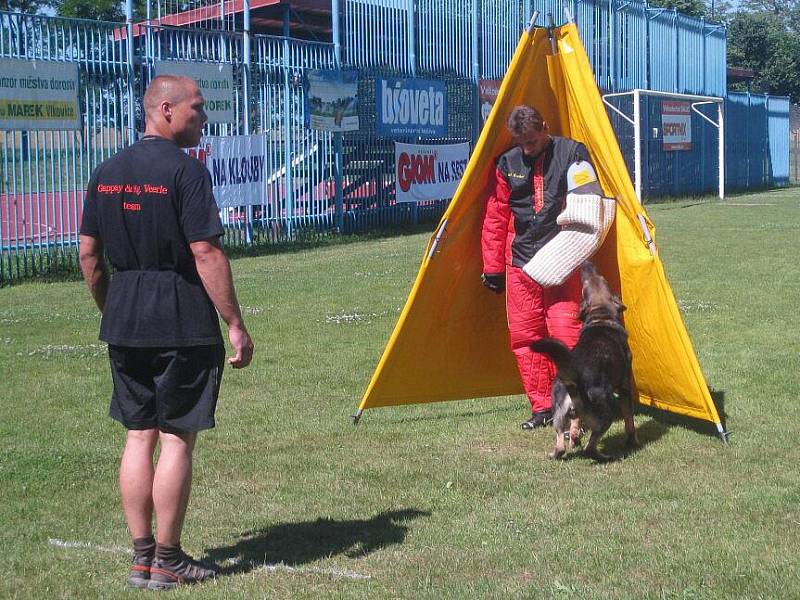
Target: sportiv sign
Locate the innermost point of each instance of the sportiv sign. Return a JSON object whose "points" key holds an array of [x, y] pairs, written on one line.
{"points": [[676, 124], [38, 95], [215, 83], [411, 108]]}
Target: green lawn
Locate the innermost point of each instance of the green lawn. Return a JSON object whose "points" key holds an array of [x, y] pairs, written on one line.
{"points": [[446, 500]]}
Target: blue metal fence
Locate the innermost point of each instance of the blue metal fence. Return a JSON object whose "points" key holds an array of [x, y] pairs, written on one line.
{"points": [[629, 45], [757, 147]]}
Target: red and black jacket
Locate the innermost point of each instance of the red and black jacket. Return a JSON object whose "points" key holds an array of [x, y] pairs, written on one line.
{"points": [[529, 194]]}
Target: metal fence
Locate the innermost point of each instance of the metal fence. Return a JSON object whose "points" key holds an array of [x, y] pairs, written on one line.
{"points": [[43, 174]]}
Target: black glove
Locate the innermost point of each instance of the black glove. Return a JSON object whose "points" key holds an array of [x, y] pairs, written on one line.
{"points": [[495, 282]]}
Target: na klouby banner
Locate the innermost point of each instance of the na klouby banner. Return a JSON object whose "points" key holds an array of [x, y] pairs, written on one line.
{"points": [[428, 172], [238, 168], [676, 125], [215, 83], [39, 95], [411, 107]]}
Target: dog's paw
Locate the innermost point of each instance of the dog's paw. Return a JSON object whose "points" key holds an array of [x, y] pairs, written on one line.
{"points": [[632, 441], [595, 454], [556, 454]]}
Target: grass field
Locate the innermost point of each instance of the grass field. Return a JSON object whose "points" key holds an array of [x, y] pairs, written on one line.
{"points": [[449, 500]]}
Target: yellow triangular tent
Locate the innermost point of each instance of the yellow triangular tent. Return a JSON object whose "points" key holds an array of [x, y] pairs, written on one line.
{"points": [[451, 341]]}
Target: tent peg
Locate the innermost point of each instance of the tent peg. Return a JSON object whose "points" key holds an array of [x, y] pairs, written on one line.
{"points": [[357, 416], [724, 435]]}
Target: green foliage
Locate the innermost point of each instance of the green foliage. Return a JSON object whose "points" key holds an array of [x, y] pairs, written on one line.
{"points": [[693, 8], [762, 42], [434, 501], [102, 10], [25, 6]]}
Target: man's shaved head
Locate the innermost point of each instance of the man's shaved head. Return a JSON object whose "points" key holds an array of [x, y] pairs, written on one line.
{"points": [[173, 109], [166, 88]]}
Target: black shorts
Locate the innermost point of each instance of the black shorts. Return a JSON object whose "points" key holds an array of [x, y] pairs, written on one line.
{"points": [[173, 389]]}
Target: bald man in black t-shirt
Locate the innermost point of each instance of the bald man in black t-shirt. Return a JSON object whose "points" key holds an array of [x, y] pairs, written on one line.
{"points": [[151, 210]]}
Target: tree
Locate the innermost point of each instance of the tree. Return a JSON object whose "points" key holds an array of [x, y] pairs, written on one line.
{"points": [[25, 6], [102, 10], [693, 8], [763, 42], [785, 11]]}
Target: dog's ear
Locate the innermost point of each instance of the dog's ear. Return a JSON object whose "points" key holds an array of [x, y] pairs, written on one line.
{"points": [[618, 303]]}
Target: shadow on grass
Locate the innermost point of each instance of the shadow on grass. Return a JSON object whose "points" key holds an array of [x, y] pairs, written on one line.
{"points": [[692, 424], [294, 544], [615, 445], [396, 418]]}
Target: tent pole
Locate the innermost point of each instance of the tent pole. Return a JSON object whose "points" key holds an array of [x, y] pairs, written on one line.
{"points": [[357, 416], [723, 434], [637, 145], [532, 22], [550, 27], [721, 148]]}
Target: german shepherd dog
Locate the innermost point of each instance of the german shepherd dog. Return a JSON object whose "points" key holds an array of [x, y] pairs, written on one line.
{"points": [[589, 376]]}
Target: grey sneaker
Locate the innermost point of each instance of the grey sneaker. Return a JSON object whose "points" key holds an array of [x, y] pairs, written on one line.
{"points": [[164, 576], [139, 573]]}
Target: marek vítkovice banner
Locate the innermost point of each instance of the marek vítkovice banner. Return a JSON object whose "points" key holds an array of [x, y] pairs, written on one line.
{"points": [[38, 95], [426, 172]]}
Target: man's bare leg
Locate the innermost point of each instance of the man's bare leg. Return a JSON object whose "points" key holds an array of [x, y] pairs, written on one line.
{"points": [[172, 485], [136, 481]]}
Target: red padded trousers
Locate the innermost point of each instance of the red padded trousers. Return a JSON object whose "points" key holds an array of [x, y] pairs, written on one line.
{"points": [[533, 313]]}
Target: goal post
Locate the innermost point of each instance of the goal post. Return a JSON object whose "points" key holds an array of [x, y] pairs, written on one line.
{"points": [[636, 120]]}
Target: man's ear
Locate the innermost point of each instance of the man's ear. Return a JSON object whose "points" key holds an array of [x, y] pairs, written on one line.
{"points": [[166, 110]]}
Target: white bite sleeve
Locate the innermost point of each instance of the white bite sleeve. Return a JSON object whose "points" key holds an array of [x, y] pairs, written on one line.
{"points": [[584, 223]]}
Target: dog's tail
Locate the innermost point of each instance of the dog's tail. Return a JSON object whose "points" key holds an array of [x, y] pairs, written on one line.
{"points": [[561, 356]]}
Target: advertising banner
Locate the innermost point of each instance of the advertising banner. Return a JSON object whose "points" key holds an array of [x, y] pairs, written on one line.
{"points": [[676, 124], [215, 83], [38, 95], [331, 100], [237, 167], [487, 93], [428, 172], [411, 107]]}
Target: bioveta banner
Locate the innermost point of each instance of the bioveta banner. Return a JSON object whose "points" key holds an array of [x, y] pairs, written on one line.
{"points": [[411, 107]]}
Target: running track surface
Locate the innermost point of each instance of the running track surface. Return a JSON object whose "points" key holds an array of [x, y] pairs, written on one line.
{"points": [[50, 217]]}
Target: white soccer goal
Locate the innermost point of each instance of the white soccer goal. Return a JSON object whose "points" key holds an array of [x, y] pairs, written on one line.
{"points": [[636, 121]]}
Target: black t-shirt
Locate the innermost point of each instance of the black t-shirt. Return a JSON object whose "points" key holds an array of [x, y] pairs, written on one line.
{"points": [[146, 204]]}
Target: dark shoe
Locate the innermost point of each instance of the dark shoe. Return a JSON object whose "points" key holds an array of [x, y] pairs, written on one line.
{"points": [[164, 576], [541, 418], [139, 573]]}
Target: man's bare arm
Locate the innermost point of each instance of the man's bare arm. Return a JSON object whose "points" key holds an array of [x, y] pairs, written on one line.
{"points": [[215, 273], [93, 267]]}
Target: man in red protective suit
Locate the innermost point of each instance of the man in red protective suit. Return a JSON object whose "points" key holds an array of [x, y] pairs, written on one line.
{"points": [[544, 217]]}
